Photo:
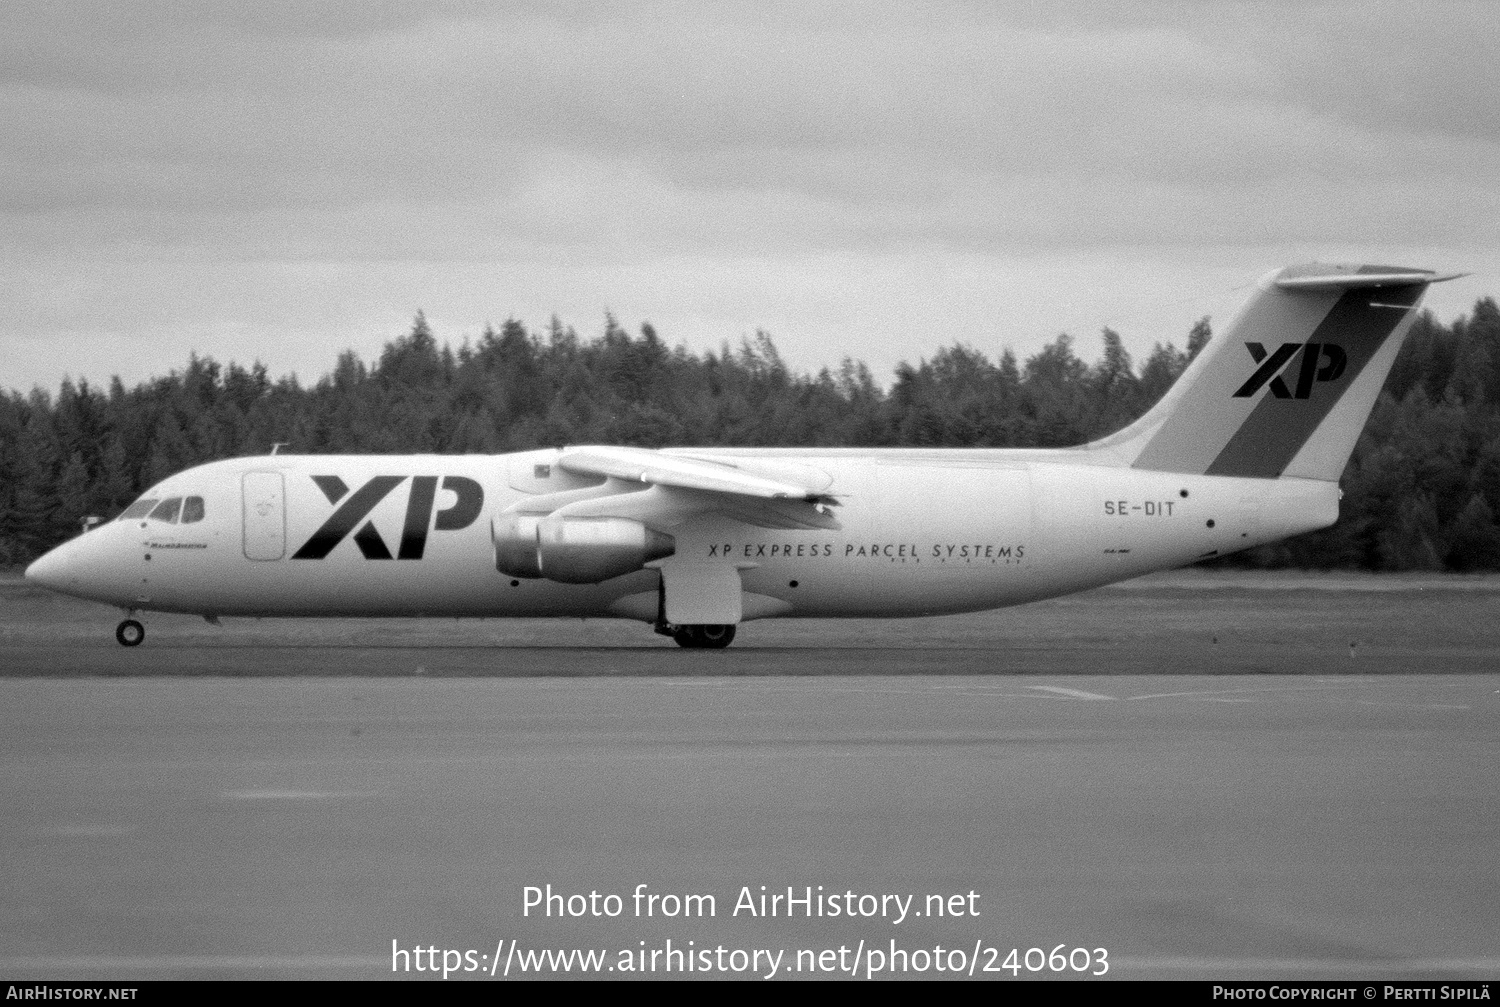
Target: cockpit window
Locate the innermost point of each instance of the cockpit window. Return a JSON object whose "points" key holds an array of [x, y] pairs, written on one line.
{"points": [[140, 508], [192, 510], [167, 510]]}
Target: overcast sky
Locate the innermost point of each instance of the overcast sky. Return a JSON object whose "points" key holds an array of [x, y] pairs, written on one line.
{"points": [[281, 180]]}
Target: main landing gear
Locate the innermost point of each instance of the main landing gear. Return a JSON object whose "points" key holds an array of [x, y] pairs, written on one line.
{"points": [[130, 633], [698, 637]]}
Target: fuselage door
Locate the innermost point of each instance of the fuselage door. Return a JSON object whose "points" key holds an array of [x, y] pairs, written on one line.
{"points": [[265, 515]]}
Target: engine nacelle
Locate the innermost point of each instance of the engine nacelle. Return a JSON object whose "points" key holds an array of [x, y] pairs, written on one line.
{"points": [[514, 536], [587, 550], [574, 550]]}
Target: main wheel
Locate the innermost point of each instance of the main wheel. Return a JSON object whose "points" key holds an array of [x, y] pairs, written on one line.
{"points": [[130, 633], [704, 637]]}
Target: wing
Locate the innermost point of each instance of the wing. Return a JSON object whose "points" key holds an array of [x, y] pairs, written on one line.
{"points": [[663, 490], [694, 473]]}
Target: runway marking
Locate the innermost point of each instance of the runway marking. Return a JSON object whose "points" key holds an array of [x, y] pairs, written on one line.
{"points": [[1073, 693], [1417, 706], [293, 795], [172, 963], [1323, 685], [770, 686], [1228, 692]]}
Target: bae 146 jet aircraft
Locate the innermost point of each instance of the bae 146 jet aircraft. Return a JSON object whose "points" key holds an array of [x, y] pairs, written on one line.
{"points": [[1246, 448]]}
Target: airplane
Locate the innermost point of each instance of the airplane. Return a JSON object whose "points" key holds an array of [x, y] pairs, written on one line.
{"points": [[1244, 449]]}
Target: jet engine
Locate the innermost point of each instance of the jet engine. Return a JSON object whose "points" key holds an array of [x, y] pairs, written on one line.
{"points": [[575, 550], [514, 536]]}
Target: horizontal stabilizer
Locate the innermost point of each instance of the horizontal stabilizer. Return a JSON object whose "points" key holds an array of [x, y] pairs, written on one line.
{"points": [[1352, 281]]}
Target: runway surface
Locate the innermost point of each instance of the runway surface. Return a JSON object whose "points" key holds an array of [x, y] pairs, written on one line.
{"points": [[1185, 622], [1191, 826]]}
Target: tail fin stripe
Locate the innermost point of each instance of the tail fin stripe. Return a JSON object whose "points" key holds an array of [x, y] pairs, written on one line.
{"points": [[1286, 387], [1278, 427]]}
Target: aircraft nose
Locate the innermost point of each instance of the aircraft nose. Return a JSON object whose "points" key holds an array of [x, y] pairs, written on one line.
{"points": [[52, 570]]}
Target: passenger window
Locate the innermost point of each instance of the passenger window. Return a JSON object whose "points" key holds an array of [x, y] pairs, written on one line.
{"points": [[167, 510], [140, 508], [192, 510]]}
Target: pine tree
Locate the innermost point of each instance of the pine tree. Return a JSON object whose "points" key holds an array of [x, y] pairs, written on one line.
{"points": [[1198, 337]]}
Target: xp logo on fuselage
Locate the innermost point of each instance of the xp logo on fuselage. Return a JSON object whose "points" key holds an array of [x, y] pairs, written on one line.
{"points": [[419, 506], [1309, 371]]}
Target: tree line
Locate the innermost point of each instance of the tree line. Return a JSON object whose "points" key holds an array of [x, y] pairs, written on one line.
{"points": [[1420, 492]]}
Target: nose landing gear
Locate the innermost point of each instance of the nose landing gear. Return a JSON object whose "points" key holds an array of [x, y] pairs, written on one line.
{"points": [[703, 637], [130, 633]]}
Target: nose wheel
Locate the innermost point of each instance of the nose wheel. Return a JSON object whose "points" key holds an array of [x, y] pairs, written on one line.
{"points": [[703, 637], [130, 633]]}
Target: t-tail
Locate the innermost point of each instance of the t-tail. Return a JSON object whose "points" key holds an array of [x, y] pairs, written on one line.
{"points": [[1286, 388]]}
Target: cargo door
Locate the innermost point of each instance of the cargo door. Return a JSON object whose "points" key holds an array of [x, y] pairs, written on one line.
{"points": [[265, 515]]}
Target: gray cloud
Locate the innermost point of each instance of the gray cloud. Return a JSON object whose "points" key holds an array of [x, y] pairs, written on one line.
{"points": [[606, 137]]}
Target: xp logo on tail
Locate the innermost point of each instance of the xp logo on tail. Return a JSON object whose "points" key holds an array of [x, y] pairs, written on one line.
{"points": [[1330, 356], [419, 507]]}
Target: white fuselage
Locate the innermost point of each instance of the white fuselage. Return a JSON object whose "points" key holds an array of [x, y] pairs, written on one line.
{"points": [[920, 533]]}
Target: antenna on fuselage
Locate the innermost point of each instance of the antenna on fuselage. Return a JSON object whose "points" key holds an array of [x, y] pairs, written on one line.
{"points": [[279, 445]]}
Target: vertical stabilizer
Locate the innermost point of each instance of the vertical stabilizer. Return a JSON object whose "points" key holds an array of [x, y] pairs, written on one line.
{"points": [[1286, 388]]}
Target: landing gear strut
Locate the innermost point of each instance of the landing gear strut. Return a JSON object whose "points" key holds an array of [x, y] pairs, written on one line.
{"points": [[698, 637], [130, 633], [703, 637]]}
